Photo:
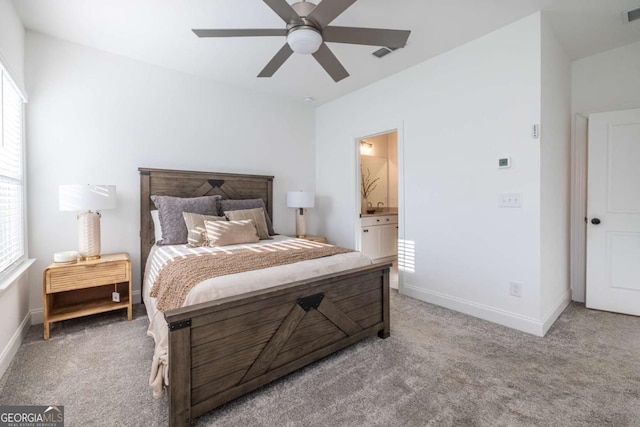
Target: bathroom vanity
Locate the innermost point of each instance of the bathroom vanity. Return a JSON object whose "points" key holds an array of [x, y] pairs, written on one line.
{"points": [[379, 237]]}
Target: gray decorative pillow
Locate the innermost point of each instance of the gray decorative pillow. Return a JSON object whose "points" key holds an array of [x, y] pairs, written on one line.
{"points": [[197, 234], [174, 229], [257, 215], [223, 233], [240, 204]]}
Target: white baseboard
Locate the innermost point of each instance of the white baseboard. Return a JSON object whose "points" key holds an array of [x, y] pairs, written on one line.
{"points": [[37, 316], [14, 344], [552, 316], [492, 314]]}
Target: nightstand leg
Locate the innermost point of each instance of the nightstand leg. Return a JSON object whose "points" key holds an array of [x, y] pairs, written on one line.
{"points": [[46, 329], [130, 307]]}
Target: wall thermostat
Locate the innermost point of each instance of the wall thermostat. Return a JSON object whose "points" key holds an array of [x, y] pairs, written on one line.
{"points": [[504, 162]]}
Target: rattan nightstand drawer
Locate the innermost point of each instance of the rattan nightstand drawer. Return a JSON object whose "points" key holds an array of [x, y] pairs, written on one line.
{"points": [[86, 276]]}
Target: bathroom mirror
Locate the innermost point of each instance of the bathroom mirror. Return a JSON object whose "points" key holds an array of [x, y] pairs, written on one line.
{"points": [[378, 168]]}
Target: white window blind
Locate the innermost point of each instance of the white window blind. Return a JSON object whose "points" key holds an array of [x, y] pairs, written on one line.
{"points": [[12, 236]]}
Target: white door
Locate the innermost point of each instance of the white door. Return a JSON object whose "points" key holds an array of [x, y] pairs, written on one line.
{"points": [[613, 212]]}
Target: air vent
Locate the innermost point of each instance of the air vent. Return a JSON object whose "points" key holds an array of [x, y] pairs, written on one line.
{"points": [[384, 51], [631, 15]]}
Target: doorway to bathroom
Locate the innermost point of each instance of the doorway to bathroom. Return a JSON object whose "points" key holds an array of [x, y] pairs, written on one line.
{"points": [[378, 223]]}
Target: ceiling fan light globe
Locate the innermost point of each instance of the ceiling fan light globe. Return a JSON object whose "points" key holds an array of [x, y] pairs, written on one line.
{"points": [[304, 40]]}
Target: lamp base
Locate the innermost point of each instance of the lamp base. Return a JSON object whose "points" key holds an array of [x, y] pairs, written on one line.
{"points": [[301, 227], [89, 236]]}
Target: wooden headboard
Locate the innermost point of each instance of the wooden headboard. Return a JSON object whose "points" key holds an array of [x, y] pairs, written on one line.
{"points": [[165, 182]]}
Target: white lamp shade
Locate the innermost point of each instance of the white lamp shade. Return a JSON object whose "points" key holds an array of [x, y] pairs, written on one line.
{"points": [[304, 40], [87, 197], [300, 199]]}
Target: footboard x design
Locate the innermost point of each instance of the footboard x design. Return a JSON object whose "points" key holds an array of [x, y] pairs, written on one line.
{"points": [[285, 331], [221, 350]]}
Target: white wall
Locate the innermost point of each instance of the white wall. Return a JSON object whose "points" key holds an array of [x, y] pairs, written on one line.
{"points": [[457, 113], [607, 81], [15, 318], [555, 175], [14, 306], [95, 117], [12, 36]]}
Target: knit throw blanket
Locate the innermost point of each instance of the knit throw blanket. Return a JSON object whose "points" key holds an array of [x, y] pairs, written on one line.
{"points": [[179, 275]]}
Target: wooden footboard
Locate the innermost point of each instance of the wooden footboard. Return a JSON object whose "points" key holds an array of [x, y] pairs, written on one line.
{"points": [[223, 349]]}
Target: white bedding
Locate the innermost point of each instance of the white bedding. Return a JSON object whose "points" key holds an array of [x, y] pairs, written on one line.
{"points": [[226, 286]]}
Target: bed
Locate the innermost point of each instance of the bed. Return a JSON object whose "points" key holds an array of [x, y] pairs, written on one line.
{"points": [[252, 328]]}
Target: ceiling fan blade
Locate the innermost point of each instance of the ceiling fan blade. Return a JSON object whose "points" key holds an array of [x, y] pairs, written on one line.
{"points": [[241, 33], [330, 63], [277, 61], [366, 36], [284, 11], [328, 10]]}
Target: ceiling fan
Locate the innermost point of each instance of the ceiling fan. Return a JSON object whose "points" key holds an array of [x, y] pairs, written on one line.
{"points": [[307, 31]]}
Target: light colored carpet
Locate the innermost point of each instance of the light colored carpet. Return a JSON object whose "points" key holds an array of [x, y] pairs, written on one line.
{"points": [[438, 368]]}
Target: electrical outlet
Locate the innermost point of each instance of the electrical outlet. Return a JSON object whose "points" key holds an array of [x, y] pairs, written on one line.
{"points": [[510, 200], [515, 289], [115, 297]]}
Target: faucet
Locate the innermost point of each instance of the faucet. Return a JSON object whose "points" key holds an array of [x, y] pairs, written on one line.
{"points": [[378, 206], [369, 205]]}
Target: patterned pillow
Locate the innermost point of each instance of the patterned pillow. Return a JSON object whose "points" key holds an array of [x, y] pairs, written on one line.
{"points": [[257, 215], [227, 205], [223, 233], [197, 234], [174, 229]]}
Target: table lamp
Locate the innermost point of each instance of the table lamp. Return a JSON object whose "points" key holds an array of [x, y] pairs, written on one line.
{"points": [[87, 200], [300, 200]]}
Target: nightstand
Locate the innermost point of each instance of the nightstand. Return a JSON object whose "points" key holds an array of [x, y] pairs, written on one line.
{"points": [[319, 239], [85, 287]]}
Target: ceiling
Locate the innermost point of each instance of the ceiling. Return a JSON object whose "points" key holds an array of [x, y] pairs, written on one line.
{"points": [[159, 32]]}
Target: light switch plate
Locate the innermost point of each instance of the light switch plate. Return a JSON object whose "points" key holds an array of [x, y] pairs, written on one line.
{"points": [[510, 200]]}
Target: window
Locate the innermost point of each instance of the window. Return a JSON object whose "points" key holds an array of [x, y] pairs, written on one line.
{"points": [[12, 235]]}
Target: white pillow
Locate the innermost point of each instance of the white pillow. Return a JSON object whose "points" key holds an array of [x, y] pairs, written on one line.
{"points": [[157, 229]]}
